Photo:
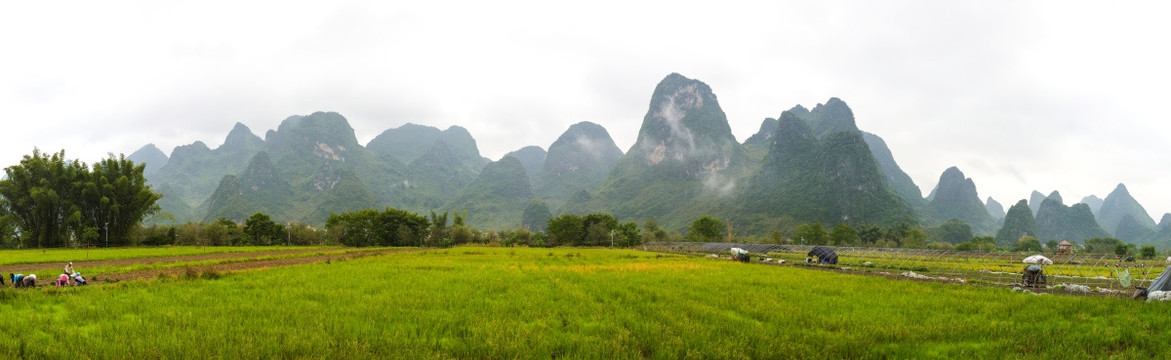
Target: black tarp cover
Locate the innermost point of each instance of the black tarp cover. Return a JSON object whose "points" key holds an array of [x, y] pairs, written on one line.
{"points": [[824, 254]]}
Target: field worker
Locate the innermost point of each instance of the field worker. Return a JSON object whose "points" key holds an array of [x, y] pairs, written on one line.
{"points": [[15, 278], [78, 280], [68, 269], [29, 281], [63, 280]]}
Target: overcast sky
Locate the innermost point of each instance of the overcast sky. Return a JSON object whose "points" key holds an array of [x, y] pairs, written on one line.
{"points": [[1020, 95]]}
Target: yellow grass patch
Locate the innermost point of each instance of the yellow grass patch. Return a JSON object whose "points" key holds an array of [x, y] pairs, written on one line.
{"points": [[582, 269]]}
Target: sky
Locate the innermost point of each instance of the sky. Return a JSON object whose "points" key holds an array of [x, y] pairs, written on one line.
{"points": [[1020, 95]]}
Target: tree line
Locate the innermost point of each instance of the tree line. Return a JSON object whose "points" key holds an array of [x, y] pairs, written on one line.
{"points": [[48, 201]]}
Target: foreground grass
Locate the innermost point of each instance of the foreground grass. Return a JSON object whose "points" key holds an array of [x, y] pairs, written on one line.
{"points": [[582, 303], [36, 256]]}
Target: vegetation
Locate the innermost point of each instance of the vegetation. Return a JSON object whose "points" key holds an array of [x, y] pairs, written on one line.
{"points": [[390, 227], [54, 202], [595, 229], [956, 198], [1017, 222], [707, 229], [462, 303], [1055, 221], [580, 159], [828, 180]]}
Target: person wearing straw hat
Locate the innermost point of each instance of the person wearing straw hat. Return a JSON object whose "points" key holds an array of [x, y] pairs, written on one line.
{"points": [[68, 269]]}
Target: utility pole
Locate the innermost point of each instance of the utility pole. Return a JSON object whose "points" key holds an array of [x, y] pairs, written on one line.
{"points": [[107, 234]]}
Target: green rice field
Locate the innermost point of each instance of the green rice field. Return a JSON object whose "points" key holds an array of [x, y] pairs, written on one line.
{"points": [[488, 302]]}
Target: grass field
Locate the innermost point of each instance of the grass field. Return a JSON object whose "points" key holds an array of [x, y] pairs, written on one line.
{"points": [[475, 302]]}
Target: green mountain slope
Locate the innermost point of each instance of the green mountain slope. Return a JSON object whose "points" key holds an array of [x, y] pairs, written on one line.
{"points": [[1018, 221], [194, 171], [995, 209], [259, 188], [497, 198], [1055, 221], [1093, 202], [532, 157], [580, 159], [152, 157], [1118, 205], [956, 198], [683, 164], [434, 178], [806, 179], [896, 178], [409, 142]]}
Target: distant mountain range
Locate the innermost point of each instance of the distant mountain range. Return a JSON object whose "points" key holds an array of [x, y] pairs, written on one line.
{"points": [[803, 166]]}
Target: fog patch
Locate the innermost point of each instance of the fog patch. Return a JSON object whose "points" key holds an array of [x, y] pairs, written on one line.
{"points": [[719, 184], [591, 146]]}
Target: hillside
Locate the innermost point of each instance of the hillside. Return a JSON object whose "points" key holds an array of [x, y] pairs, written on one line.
{"points": [[1116, 208], [580, 159], [1056, 221], [683, 164], [497, 198], [807, 179], [956, 198]]}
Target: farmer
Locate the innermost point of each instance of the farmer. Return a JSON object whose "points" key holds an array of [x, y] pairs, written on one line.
{"points": [[78, 280], [68, 269], [62, 280], [20, 280]]}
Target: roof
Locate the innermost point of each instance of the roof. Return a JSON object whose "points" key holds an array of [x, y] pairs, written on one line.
{"points": [[1064, 243]]}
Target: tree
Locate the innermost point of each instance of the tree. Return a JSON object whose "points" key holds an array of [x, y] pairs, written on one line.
{"points": [[1051, 245], [54, 200], [811, 234], [628, 235], [390, 227], [981, 243], [598, 228], [1147, 251], [259, 229], [1102, 245], [843, 235], [438, 229], [870, 235], [1121, 249], [117, 197], [955, 231], [653, 232], [566, 229], [300, 233], [1028, 244], [40, 195], [706, 229], [597, 234], [914, 238]]}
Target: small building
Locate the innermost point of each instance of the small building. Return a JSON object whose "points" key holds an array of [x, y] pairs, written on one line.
{"points": [[1064, 247]]}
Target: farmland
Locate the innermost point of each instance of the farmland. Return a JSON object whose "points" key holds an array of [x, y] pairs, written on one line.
{"points": [[488, 302]]}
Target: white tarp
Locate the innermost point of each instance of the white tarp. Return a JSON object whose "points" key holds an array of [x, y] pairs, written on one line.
{"points": [[737, 251], [1038, 259]]}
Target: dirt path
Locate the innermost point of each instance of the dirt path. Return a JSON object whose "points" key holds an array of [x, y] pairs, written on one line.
{"points": [[244, 265], [82, 265], [199, 269]]}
